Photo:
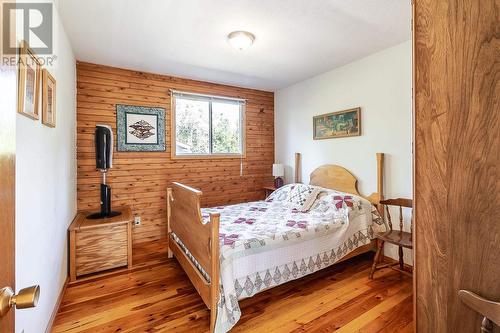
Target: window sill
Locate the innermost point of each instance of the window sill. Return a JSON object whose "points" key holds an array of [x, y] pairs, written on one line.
{"points": [[208, 157]]}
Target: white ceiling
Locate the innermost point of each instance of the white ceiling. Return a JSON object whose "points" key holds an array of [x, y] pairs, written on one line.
{"points": [[295, 39]]}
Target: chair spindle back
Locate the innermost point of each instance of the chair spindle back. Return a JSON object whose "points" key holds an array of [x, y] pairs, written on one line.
{"points": [[399, 202]]}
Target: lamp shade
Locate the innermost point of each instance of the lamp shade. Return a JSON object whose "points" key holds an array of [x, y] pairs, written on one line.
{"points": [[278, 170]]}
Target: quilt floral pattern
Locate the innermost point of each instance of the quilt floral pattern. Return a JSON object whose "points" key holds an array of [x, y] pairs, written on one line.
{"points": [[254, 227]]}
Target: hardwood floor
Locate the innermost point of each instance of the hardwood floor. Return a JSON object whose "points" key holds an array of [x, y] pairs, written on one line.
{"points": [[156, 296]]}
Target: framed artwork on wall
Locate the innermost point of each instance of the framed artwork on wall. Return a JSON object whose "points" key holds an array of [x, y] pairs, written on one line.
{"points": [[29, 82], [48, 99], [337, 124], [140, 128]]}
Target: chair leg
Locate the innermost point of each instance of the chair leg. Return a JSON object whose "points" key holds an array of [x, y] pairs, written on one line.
{"points": [[401, 262], [377, 257]]}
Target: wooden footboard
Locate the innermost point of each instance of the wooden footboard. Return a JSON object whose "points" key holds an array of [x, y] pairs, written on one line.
{"points": [[202, 240]]}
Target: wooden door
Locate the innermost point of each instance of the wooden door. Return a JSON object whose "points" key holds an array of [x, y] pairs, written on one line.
{"points": [[8, 92], [457, 107]]}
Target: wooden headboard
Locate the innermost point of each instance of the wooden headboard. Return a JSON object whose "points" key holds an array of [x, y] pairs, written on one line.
{"points": [[340, 179], [334, 177]]}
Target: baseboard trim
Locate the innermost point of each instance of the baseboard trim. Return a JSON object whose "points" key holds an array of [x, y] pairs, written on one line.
{"points": [[56, 307], [391, 260]]}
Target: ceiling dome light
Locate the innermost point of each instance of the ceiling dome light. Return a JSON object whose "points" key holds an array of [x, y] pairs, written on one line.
{"points": [[240, 39]]}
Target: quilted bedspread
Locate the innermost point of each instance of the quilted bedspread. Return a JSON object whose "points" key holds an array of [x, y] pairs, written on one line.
{"points": [[278, 223]]}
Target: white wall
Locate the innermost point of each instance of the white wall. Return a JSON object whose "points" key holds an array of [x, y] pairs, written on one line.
{"points": [[46, 192], [381, 85]]}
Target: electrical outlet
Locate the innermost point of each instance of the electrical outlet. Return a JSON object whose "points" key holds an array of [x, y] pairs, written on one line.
{"points": [[137, 220]]}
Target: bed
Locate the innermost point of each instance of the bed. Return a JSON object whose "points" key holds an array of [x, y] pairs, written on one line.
{"points": [[233, 252]]}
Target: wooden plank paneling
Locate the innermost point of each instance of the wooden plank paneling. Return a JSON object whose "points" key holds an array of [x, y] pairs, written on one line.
{"points": [[456, 205], [140, 179]]}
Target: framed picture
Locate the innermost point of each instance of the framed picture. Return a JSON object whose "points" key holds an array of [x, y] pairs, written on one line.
{"points": [[337, 124], [48, 99], [140, 128], [29, 82]]}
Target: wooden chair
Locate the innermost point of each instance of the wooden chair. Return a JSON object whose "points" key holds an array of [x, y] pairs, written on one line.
{"points": [[399, 237]]}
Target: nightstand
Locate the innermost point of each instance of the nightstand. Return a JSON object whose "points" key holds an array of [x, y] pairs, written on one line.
{"points": [[269, 190], [97, 246]]}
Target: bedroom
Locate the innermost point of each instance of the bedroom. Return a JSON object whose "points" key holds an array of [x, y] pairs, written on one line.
{"points": [[281, 131]]}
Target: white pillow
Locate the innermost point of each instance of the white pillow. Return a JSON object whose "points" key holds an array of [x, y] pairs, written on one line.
{"points": [[298, 196], [280, 194], [311, 200]]}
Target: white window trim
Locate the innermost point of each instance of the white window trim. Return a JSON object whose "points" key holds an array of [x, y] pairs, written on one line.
{"points": [[173, 129]]}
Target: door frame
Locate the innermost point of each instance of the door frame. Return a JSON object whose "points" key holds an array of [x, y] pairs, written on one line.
{"points": [[413, 149], [8, 105]]}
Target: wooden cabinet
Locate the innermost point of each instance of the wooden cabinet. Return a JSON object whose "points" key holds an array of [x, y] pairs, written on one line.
{"points": [[269, 189], [97, 246]]}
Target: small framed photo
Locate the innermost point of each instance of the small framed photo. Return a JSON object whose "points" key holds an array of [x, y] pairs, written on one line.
{"points": [[48, 99], [337, 124], [140, 128], [29, 82]]}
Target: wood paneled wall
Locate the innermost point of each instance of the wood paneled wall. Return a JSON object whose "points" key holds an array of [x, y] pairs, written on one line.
{"points": [[140, 179]]}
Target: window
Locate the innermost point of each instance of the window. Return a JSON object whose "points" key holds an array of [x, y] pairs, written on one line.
{"points": [[207, 125]]}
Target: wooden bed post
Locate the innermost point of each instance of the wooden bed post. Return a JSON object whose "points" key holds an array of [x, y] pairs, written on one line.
{"points": [[297, 168], [169, 197], [215, 268], [380, 181]]}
